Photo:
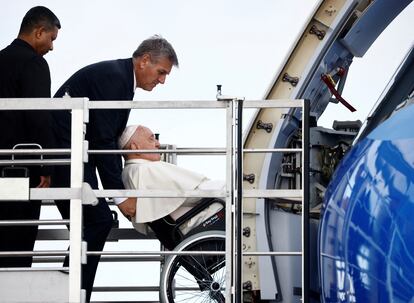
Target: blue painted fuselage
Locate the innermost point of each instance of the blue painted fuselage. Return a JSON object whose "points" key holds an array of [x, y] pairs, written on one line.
{"points": [[366, 236]]}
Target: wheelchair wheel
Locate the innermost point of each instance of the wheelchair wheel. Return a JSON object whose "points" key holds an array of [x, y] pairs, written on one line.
{"points": [[199, 278]]}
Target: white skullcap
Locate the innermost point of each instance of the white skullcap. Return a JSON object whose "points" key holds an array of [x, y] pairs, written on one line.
{"points": [[126, 135]]}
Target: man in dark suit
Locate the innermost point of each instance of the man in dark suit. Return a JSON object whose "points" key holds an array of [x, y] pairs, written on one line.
{"points": [[24, 73], [108, 80]]}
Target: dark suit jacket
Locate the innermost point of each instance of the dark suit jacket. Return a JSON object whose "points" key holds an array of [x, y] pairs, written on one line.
{"points": [[107, 80], [24, 74]]}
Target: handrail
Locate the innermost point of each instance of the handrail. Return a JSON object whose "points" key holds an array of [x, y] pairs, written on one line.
{"points": [[80, 108], [31, 162], [78, 103], [33, 222], [42, 103], [192, 150], [183, 104], [61, 193], [52, 151]]}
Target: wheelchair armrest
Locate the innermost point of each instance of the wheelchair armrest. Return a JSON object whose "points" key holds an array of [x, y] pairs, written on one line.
{"points": [[202, 205], [168, 230]]}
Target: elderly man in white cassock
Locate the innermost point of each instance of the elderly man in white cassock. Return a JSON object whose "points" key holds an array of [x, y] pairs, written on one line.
{"points": [[145, 171]]}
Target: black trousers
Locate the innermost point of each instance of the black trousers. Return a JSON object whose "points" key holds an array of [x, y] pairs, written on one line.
{"points": [[97, 221], [19, 238]]}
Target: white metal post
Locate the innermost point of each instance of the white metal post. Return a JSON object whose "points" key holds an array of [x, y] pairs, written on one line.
{"points": [[230, 172], [238, 213], [305, 202], [76, 177]]}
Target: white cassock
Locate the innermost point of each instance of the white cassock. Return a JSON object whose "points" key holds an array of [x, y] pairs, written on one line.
{"points": [[158, 175]]}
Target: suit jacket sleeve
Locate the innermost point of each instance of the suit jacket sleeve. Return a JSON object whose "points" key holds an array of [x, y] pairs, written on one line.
{"points": [[36, 84], [105, 126]]}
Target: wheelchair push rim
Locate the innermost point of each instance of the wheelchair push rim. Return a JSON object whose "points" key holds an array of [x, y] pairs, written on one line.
{"points": [[198, 278]]}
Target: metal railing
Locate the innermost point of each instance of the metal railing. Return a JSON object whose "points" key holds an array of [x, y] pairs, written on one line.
{"points": [[80, 192], [78, 118]]}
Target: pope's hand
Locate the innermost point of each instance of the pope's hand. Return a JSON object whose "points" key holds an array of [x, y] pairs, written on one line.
{"points": [[128, 207]]}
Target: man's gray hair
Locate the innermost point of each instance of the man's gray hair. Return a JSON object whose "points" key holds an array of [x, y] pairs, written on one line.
{"points": [[157, 47]]}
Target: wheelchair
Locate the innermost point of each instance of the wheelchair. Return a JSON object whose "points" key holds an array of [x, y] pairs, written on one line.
{"points": [[197, 278]]}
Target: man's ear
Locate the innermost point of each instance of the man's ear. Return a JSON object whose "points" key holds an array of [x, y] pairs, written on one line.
{"points": [[134, 146], [145, 59], [39, 31]]}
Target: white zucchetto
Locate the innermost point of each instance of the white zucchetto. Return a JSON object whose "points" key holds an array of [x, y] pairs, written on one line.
{"points": [[126, 135]]}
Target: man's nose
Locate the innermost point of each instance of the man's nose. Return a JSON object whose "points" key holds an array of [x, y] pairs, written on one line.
{"points": [[157, 144], [161, 79]]}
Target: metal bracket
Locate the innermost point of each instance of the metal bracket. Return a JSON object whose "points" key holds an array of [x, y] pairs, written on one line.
{"points": [[88, 196], [85, 110], [85, 151], [318, 32], [246, 232], [84, 255], [330, 11], [292, 80], [221, 97], [266, 126], [247, 285], [249, 178]]}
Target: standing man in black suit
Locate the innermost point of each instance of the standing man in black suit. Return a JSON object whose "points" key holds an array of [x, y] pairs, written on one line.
{"points": [[24, 73], [150, 64]]}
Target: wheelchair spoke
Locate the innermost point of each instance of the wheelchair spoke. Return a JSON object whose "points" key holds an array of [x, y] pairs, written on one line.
{"points": [[199, 278]]}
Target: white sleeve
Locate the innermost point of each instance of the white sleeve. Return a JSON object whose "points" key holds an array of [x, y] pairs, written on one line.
{"points": [[118, 201]]}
